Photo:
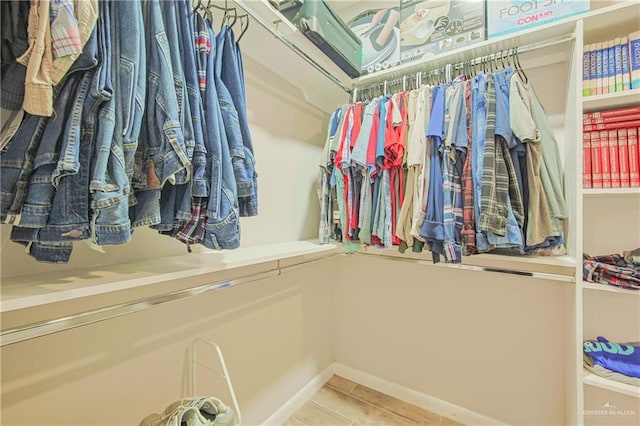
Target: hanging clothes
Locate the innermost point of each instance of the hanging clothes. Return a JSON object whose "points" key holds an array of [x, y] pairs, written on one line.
{"points": [[139, 119], [459, 166]]}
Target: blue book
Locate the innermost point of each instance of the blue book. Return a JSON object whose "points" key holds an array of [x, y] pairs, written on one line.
{"points": [[599, 69], [605, 68], [586, 54], [611, 74], [634, 59], [593, 68], [626, 77], [618, 55]]}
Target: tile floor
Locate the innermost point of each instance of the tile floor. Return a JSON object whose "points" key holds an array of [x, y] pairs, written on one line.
{"points": [[343, 402]]}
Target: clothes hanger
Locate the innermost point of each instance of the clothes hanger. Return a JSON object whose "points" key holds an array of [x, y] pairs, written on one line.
{"points": [[519, 67], [243, 29]]}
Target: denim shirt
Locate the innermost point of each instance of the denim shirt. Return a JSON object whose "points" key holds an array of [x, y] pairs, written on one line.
{"points": [[232, 74], [479, 124], [433, 227], [222, 230], [164, 154], [241, 156]]}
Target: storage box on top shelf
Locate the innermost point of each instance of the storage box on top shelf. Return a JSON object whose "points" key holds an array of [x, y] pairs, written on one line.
{"points": [[429, 27], [509, 16], [379, 32]]}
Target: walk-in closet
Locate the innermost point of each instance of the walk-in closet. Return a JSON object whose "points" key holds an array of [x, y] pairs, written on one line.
{"points": [[196, 203]]}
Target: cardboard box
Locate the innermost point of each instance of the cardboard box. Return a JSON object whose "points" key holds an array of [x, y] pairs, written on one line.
{"points": [[379, 33], [429, 27], [508, 16]]}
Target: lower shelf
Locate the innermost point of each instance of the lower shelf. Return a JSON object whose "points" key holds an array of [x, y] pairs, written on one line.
{"points": [[600, 382]]}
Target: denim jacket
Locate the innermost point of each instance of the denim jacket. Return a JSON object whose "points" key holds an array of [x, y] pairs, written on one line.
{"points": [[119, 124], [222, 229]]}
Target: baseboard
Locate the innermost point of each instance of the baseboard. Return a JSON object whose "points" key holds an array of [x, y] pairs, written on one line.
{"points": [[300, 398], [411, 396]]}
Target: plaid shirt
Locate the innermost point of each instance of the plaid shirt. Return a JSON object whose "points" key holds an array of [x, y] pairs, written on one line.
{"points": [[193, 230], [494, 196], [203, 49], [469, 222], [452, 165], [612, 270], [65, 34]]}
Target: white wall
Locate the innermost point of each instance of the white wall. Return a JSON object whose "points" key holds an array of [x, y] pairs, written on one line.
{"points": [[275, 335], [492, 343]]}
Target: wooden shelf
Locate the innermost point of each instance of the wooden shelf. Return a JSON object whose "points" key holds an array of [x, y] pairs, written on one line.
{"points": [[610, 191], [609, 288], [611, 100], [600, 382]]}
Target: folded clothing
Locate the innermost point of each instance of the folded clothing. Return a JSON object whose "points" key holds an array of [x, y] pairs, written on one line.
{"points": [[622, 358], [611, 269]]}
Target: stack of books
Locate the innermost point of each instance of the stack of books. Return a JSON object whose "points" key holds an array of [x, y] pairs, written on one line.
{"points": [[611, 66], [611, 158]]}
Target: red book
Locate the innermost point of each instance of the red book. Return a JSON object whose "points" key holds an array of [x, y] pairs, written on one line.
{"points": [[613, 158], [623, 157], [604, 155], [611, 126], [634, 161], [586, 160], [588, 119], [596, 160], [615, 112]]}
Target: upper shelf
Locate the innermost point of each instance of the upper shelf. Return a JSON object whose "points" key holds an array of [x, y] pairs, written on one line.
{"points": [[625, 11], [276, 49]]}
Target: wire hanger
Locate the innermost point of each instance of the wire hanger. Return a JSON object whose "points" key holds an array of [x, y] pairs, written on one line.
{"points": [[243, 29], [519, 67]]}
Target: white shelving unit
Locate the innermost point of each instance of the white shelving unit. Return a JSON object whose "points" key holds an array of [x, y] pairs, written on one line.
{"points": [[611, 100], [604, 287], [610, 224], [613, 192], [602, 383], [131, 284]]}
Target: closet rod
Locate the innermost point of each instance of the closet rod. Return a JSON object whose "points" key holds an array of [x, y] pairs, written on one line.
{"points": [[467, 267], [519, 50], [291, 45], [43, 328]]}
